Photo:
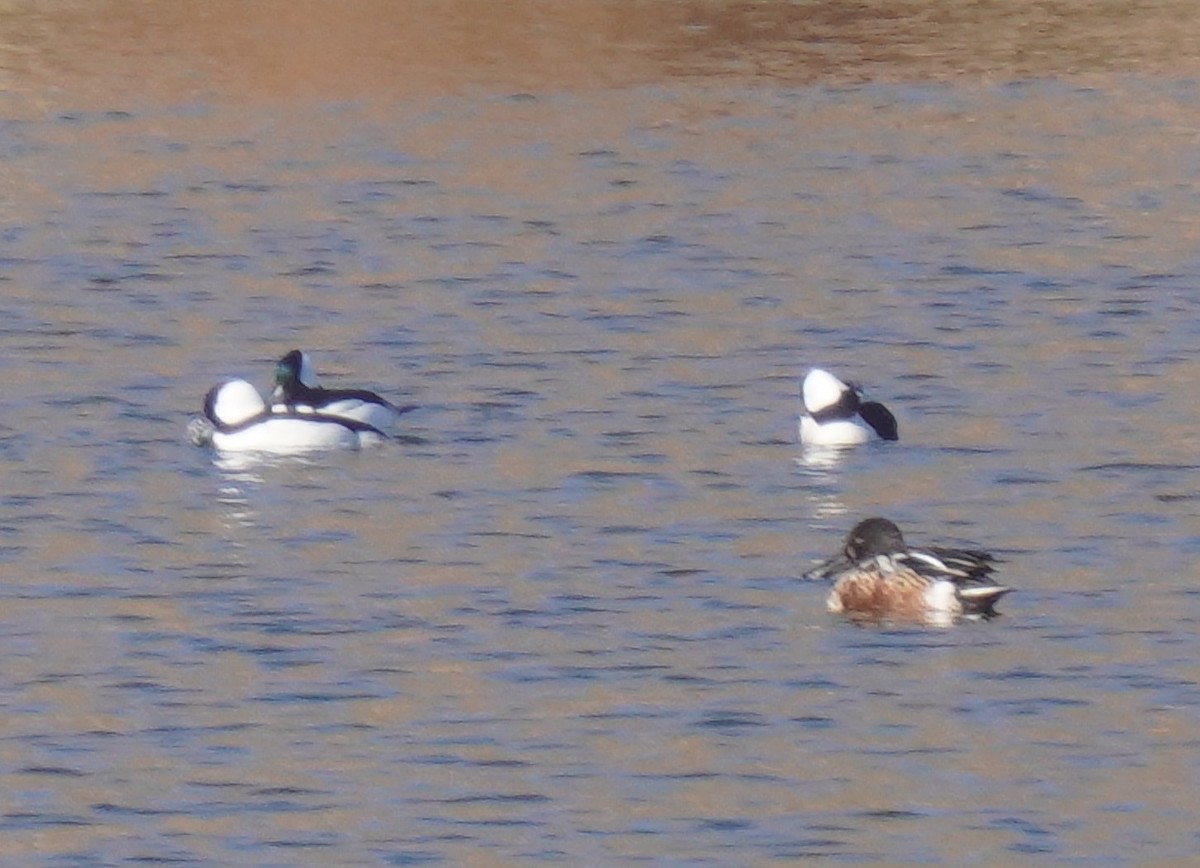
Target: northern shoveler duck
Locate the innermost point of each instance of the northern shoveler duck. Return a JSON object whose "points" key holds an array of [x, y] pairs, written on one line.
{"points": [[297, 391], [877, 576], [835, 414]]}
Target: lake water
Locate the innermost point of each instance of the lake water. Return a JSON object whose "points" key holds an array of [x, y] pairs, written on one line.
{"points": [[559, 620]]}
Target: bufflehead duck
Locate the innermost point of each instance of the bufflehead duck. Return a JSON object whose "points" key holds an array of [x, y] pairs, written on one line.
{"points": [[297, 391], [236, 419], [877, 576], [835, 414]]}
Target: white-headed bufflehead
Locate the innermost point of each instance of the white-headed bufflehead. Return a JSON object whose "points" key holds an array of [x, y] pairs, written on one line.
{"points": [[835, 414], [297, 391], [236, 419], [877, 576]]}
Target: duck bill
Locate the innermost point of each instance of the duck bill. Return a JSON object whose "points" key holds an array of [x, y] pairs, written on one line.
{"points": [[829, 569]]}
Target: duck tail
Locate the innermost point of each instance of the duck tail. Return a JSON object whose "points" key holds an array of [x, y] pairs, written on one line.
{"points": [[980, 600]]}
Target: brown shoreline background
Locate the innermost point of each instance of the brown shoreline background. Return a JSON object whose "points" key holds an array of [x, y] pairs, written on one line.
{"points": [[84, 52]]}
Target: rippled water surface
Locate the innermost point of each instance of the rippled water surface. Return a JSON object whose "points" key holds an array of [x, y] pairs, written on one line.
{"points": [[559, 619]]}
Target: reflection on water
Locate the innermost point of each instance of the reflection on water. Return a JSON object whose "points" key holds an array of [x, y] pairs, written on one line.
{"points": [[319, 50], [559, 619]]}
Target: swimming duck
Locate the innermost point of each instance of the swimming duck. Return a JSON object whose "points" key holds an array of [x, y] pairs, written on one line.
{"points": [[297, 391], [835, 414], [877, 576], [236, 419]]}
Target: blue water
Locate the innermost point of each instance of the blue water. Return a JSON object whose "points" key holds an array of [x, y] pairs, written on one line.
{"points": [[560, 620]]}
